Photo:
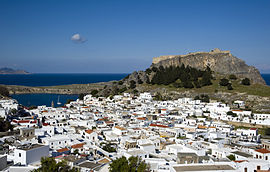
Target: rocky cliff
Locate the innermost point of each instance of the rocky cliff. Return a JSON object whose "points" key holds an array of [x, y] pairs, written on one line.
{"points": [[221, 62]]}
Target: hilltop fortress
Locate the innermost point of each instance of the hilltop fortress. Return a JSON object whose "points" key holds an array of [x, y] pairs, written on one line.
{"points": [[221, 62], [168, 57]]}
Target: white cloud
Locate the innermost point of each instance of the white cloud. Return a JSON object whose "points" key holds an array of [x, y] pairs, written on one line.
{"points": [[77, 38]]}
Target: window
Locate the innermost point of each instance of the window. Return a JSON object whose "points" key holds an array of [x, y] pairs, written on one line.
{"points": [[20, 155], [245, 170], [266, 158], [258, 167]]}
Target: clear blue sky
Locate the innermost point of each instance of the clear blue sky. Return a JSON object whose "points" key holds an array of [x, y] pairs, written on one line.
{"points": [[123, 36]]}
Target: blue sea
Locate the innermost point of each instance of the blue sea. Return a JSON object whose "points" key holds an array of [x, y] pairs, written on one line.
{"points": [[43, 99], [57, 79], [266, 77], [60, 79], [51, 80]]}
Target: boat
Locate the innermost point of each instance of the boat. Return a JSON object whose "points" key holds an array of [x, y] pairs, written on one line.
{"points": [[59, 103]]}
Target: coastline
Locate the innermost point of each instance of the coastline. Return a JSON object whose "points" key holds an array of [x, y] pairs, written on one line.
{"points": [[59, 89]]}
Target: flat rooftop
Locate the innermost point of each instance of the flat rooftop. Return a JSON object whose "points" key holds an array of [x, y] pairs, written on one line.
{"points": [[33, 146], [72, 158], [202, 168], [242, 154], [88, 164]]}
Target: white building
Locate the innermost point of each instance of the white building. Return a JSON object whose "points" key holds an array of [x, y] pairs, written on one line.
{"points": [[29, 154]]}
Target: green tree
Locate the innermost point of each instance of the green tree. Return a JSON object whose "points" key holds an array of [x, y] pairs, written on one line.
{"points": [[81, 96], [4, 91], [232, 114], [108, 147], [188, 76], [267, 131], [94, 92], [76, 151], [140, 81], [188, 84], [48, 164], [203, 97], [148, 71], [232, 77], [224, 82], [132, 84], [246, 81], [229, 86], [133, 164], [158, 97], [119, 165], [5, 125], [206, 79], [135, 91], [231, 157], [121, 90]]}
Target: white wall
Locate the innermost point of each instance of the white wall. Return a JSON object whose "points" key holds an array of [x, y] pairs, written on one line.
{"points": [[30, 156]]}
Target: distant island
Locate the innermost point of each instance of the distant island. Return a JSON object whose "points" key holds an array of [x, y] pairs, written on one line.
{"points": [[12, 71]]}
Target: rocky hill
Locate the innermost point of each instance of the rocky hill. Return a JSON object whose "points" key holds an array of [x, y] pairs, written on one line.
{"points": [[221, 62], [12, 71]]}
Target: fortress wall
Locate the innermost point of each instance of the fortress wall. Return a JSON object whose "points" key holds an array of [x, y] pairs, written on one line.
{"points": [[161, 58]]}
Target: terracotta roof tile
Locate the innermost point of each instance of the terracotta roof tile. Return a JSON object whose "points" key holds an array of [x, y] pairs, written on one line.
{"points": [[262, 151], [89, 131], [120, 128], [63, 150], [158, 125], [80, 145]]}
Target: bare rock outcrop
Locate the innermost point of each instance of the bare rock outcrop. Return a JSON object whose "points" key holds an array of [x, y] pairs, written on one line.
{"points": [[221, 62]]}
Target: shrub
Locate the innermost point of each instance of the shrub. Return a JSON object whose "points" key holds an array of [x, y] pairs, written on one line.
{"points": [[232, 77], [231, 157], [267, 131], [109, 148], [121, 90], [81, 96], [131, 164], [232, 114], [204, 98], [246, 81], [5, 125], [140, 81], [94, 92], [229, 86], [4, 91], [148, 71], [224, 82], [132, 84]]}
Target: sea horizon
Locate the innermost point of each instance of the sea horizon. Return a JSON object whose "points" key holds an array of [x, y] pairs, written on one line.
{"points": [[54, 79]]}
